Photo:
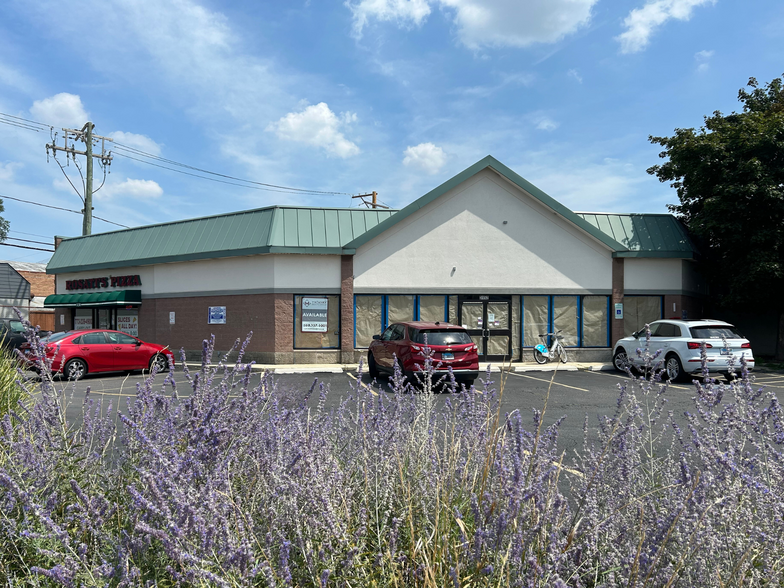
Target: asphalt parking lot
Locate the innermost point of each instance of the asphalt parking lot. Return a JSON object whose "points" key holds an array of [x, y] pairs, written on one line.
{"points": [[574, 395]]}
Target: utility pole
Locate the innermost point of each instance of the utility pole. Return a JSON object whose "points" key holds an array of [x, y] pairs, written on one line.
{"points": [[372, 204], [86, 136]]}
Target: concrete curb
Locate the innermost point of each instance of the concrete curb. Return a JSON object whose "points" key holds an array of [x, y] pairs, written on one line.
{"points": [[494, 368]]}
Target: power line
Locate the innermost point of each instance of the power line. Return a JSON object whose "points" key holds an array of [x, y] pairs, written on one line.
{"points": [[28, 241], [119, 148], [28, 124], [63, 209], [26, 247], [31, 234], [25, 120]]}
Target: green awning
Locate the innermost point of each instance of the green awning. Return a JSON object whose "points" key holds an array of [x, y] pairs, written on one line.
{"points": [[115, 298]]}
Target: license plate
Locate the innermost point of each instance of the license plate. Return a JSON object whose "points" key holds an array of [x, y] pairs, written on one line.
{"points": [[447, 356], [725, 351]]}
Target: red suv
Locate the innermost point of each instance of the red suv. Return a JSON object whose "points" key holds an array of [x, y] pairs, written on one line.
{"points": [[452, 348]]}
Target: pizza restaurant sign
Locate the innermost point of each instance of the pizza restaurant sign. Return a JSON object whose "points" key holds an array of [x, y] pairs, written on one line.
{"points": [[108, 282]]}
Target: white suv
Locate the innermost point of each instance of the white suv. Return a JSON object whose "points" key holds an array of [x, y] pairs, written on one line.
{"points": [[681, 343]]}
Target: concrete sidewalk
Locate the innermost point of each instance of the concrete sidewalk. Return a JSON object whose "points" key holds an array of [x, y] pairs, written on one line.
{"points": [[334, 368]]}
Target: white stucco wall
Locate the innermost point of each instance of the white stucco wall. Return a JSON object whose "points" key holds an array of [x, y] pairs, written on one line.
{"points": [[652, 275], [536, 251], [255, 273]]}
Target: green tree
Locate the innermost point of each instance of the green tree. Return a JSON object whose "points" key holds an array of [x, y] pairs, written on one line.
{"points": [[4, 225], [729, 176]]}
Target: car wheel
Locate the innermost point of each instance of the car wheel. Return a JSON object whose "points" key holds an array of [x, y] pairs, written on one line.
{"points": [[75, 369], [539, 356], [160, 360], [673, 369], [620, 359], [372, 366]]}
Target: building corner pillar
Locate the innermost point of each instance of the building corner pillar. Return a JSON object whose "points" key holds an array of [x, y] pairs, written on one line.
{"points": [[617, 329], [347, 353]]}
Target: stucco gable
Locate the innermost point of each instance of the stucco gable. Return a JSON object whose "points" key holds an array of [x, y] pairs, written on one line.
{"points": [[466, 175]]}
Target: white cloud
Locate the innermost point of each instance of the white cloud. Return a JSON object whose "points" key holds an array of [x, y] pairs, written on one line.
{"points": [[131, 189], [7, 170], [573, 73], [642, 22], [545, 123], [60, 110], [404, 12], [140, 142], [426, 157], [317, 125], [515, 23], [703, 58]]}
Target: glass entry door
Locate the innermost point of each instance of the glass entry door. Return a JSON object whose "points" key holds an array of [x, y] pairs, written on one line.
{"points": [[488, 320]]}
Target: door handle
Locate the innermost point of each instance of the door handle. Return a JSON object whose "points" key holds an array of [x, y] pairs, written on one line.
{"points": [[118, 348]]}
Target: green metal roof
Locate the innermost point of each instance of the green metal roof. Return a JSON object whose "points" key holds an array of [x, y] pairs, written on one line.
{"points": [[113, 298], [277, 229], [489, 162], [644, 235]]}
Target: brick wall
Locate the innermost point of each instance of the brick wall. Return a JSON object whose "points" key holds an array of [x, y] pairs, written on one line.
{"points": [[347, 309], [244, 313], [41, 284], [617, 297]]}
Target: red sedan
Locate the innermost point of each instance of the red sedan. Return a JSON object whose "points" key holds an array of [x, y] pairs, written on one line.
{"points": [[451, 345], [77, 353]]}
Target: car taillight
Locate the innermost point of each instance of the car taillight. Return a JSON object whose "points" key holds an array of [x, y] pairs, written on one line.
{"points": [[697, 345], [470, 348], [746, 345], [416, 348]]}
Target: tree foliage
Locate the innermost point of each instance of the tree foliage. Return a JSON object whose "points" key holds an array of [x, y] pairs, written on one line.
{"points": [[729, 176], [4, 225]]}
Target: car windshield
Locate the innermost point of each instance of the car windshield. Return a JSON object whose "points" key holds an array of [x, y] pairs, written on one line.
{"points": [[715, 332], [441, 337], [55, 337], [16, 326]]}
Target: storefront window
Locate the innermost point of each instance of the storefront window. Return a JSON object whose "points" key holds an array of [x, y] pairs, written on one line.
{"points": [[128, 321], [453, 310], [565, 319], [104, 318], [432, 308], [535, 319], [595, 318], [367, 314], [83, 319], [639, 311], [399, 309], [316, 322]]}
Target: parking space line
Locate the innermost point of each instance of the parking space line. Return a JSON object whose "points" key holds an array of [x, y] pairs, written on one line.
{"points": [[628, 380], [365, 386], [546, 381]]}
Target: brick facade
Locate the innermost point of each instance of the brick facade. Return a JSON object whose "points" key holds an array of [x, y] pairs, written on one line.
{"points": [[617, 331], [41, 284], [347, 352]]}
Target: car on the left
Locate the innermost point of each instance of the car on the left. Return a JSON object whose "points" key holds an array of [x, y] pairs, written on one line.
{"points": [[74, 354], [13, 333]]}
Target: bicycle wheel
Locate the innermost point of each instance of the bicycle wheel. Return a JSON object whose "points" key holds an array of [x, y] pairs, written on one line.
{"points": [[539, 356], [562, 354]]}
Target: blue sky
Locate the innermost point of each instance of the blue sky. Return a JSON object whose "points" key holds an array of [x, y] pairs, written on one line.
{"points": [[395, 96]]}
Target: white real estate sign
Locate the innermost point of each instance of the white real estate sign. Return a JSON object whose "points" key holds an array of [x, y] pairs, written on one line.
{"points": [[314, 315]]}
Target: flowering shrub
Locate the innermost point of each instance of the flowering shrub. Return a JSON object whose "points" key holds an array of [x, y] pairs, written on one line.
{"points": [[240, 485]]}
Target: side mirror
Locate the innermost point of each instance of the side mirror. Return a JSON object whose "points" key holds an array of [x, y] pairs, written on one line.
{"points": [[377, 337], [138, 343]]}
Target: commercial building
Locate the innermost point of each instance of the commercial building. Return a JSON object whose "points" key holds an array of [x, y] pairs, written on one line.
{"points": [[486, 249]]}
